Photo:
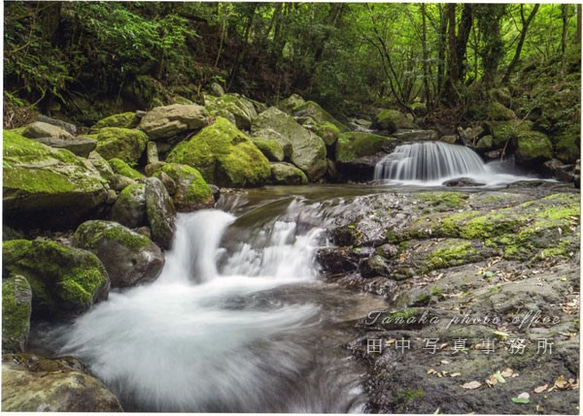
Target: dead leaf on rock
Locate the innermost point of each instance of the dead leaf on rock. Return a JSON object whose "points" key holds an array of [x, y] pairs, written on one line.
{"points": [[507, 372], [455, 374], [471, 385], [491, 381], [540, 389]]}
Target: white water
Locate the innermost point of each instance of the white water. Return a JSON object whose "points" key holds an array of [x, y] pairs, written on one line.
{"points": [[200, 340], [432, 163]]}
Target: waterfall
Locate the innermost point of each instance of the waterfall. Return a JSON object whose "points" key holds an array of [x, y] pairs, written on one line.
{"points": [[428, 161], [220, 330]]}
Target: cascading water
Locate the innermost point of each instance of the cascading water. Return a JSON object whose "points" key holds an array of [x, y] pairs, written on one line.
{"points": [[248, 336], [432, 163]]}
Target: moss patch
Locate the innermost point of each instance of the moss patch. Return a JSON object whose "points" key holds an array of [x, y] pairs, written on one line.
{"points": [[122, 168], [353, 145], [124, 120], [16, 310], [192, 191], [125, 144]]}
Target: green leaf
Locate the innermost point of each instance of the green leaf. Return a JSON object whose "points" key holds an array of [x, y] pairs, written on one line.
{"points": [[520, 400]]}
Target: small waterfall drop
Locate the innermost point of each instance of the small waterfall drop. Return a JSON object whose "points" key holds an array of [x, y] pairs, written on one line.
{"points": [[432, 163], [247, 335]]}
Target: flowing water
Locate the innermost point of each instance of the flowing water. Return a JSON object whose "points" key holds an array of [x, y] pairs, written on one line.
{"points": [[432, 163], [238, 321]]}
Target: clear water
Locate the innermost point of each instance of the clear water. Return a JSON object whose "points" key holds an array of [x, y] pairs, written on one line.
{"points": [[432, 163]]}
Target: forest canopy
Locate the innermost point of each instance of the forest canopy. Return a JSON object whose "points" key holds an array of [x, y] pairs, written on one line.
{"points": [[85, 59]]}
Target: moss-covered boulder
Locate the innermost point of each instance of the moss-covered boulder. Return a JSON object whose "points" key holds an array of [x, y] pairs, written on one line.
{"points": [[318, 114], [287, 174], [567, 143], [128, 257], [58, 137], [48, 187], [125, 144], [40, 129], [308, 150], [64, 281], [289, 104], [391, 120], [122, 168], [328, 132], [233, 107], [16, 310], [31, 383], [273, 136], [224, 156], [167, 121], [533, 147], [191, 190], [129, 208], [270, 148], [127, 120], [356, 144], [160, 212], [502, 132]]}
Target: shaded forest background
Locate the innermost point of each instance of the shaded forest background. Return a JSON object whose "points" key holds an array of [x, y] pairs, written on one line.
{"points": [[86, 60]]}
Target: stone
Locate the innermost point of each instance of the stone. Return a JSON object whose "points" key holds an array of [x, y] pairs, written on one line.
{"points": [[355, 145], [308, 150], [216, 89], [69, 127], [314, 111], [101, 165], [270, 148], [461, 182], [287, 174], [224, 156], [168, 121], [120, 182], [191, 191], [450, 138], [129, 258], [485, 143], [414, 135], [31, 383], [242, 110], [48, 187], [392, 120], [328, 132], [65, 281], [122, 168], [160, 212], [274, 136], [289, 104], [16, 311], [38, 129], [125, 144], [129, 120], [152, 153], [130, 207], [338, 259], [80, 146], [533, 147]]}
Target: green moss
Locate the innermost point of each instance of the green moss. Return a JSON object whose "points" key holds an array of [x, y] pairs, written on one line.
{"points": [[392, 120], [314, 110], [122, 168], [328, 132], [452, 252], [442, 201], [16, 310], [90, 233], [124, 120], [192, 190], [125, 144], [270, 148], [224, 156], [358, 144], [405, 396], [533, 145]]}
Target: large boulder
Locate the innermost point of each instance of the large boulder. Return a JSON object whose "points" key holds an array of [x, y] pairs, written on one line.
{"points": [[35, 384], [224, 156], [128, 120], [59, 137], [391, 120], [129, 208], [64, 281], [16, 310], [160, 212], [125, 144], [533, 147], [191, 190], [128, 257], [289, 104], [69, 127], [48, 187], [270, 148], [287, 174], [233, 107], [273, 136], [40, 129], [318, 114], [308, 150], [168, 121], [357, 154], [122, 168]]}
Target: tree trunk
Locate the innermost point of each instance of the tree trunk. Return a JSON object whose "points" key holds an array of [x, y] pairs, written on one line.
{"points": [[462, 41], [525, 25], [565, 18], [428, 98]]}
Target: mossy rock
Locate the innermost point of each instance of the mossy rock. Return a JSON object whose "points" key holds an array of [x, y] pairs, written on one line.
{"points": [[101, 165], [129, 208], [308, 150], [392, 120], [328, 132], [270, 148], [128, 257], [192, 191], [505, 131], [16, 311], [317, 113], [273, 136], [48, 187], [533, 147], [243, 111], [125, 144], [355, 144], [64, 281], [127, 120], [287, 174], [289, 104], [165, 122], [122, 168], [160, 212], [224, 156], [567, 143]]}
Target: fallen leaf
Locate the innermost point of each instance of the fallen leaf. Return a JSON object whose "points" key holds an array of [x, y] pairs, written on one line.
{"points": [[524, 395], [499, 377], [444, 361], [431, 371], [472, 385], [491, 381], [539, 409], [507, 373], [540, 389], [520, 400], [455, 374], [561, 383]]}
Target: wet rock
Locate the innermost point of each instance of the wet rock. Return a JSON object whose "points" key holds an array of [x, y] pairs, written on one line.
{"points": [[189, 190], [128, 257], [338, 259], [16, 311], [160, 212], [533, 147], [414, 135], [460, 182], [357, 153], [287, 174], [64, 281], [392, 120], [34, 384]]}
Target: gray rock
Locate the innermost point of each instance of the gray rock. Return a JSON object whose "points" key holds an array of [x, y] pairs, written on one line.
{"points": [[152, 153], [16, 310], [128, 257], [80, 146], [242, 111], [287, 174], [166, 122], [216, 89], [414, 135], [35, 384], [272, 135], [289, 104], [71, 128], [130, 207], [160, 212]]}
